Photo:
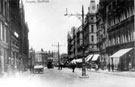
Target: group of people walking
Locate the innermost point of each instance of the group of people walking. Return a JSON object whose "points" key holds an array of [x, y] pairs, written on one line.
{"points": [[110, 67], [72, 65]]}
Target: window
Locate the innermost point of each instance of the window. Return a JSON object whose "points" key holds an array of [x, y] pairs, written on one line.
{"points": [[109, 7], [91, 18], [0, 31], [92, 30], [7, 33], [93, 7], [4, 8], [3, 32], [118, 40], [132, 11], [1, 6], [92, 38]]}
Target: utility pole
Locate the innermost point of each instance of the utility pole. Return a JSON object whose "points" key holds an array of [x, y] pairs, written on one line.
{"points": [[58, 46], [83, 48]]}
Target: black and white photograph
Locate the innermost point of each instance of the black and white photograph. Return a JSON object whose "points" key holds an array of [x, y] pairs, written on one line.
{"points": [[67, 43]]}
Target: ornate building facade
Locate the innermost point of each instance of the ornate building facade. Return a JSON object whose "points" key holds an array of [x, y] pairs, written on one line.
{"points": [[88, 34], [90, 30], [116, 31]]}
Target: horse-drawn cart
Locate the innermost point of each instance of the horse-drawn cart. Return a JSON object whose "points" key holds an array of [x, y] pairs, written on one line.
{"points": [[38, 68]]}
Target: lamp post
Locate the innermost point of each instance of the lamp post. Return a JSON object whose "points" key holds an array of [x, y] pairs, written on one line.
{"points": [[58, 57], [83, 59]]}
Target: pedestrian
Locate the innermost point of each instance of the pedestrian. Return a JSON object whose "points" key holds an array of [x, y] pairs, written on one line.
{"points": [[88, 66], [73, 66], [32, 66], [96, 66], [112, 67], [61, 65], [130, 66], [109, 67]]}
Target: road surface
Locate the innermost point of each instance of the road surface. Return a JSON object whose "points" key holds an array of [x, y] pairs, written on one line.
{"points": [[66, 78]]}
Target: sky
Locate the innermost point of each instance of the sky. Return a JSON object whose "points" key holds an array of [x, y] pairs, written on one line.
{"points": [[48, 25]]}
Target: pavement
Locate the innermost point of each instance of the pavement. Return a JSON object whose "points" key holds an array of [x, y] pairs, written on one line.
{"points": [[118, 73]]}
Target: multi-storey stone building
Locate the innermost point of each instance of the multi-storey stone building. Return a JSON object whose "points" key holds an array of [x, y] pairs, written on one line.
{"points": [[42, 57], [116, 33], [4, 35], [71, 45], [75, 43], [13, 35], [87, 34], [79, 42], [90, 29], [15, 28], [102, 34]]}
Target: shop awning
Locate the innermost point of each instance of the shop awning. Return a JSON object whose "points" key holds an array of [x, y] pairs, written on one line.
{"points": [[76, 61], [73, 61], [95, 57], [79, 60], [121, 52], [89, 57]]}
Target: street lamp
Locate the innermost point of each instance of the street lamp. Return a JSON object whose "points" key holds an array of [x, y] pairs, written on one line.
{"points": [[83, 59]]}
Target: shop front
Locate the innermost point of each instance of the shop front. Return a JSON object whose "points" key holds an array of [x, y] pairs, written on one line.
{"points": [[123, 59]]}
